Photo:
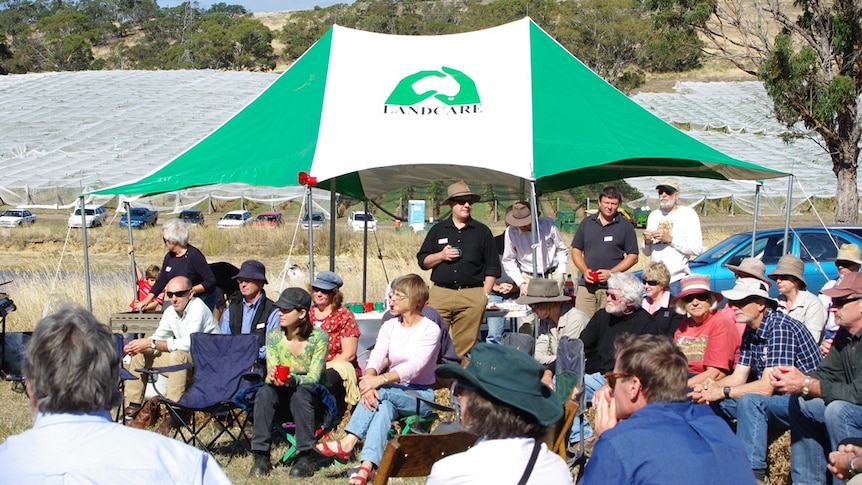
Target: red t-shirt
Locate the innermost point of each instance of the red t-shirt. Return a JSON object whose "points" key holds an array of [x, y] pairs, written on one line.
{"points": [[714, 343]]}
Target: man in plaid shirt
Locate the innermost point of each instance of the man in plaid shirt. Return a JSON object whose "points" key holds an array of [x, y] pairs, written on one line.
{"points": [[771, 340]]}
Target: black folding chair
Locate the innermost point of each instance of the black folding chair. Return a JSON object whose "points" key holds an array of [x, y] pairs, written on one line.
{"points": [[125, 375], [222, 367]]}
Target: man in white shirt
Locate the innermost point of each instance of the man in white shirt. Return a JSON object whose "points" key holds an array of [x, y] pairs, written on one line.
{"points": [[518, 251], [169, 345], [672, 235]]}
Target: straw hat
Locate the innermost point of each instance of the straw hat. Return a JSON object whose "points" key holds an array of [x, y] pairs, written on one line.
{"points": [[751, 267], [542, 290], [670, 185], [511, 377], [849, 252], [789, 265], [519, 216], [460, 189]]}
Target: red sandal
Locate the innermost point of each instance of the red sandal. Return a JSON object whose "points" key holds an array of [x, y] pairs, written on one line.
{"points": [[339, 454], [358, 479]]}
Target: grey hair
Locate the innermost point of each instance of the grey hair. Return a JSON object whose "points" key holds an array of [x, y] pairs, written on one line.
{"points": [[631, 288], [71, 363], [176, 231]]}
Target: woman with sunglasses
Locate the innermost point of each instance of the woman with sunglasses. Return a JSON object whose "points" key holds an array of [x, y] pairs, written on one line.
{"points": [[707, 337], [328, 314], [657, 297], [794, 299], [403, 359]]}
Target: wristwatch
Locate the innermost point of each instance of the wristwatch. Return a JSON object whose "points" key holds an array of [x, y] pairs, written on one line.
{"points": [[153, 344], [805, 385], [727, 392], [850, 469]]}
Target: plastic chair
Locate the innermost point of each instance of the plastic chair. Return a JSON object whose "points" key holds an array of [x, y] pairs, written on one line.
{"points": [[328, 420], [222, 368]]}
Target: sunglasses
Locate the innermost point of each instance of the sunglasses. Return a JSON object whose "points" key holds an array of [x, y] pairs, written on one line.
{"points": [[650, 282], [744, 302], [320, 290], [612, 377], [839, 302], [665, 192], [696, 296], [463, 201], [460, 387], [840, 263], [615, 296], [178, 294]]}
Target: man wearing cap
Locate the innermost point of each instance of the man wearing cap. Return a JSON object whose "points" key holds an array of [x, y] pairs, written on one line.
{"points": [[518, 250], [772, 340], [826, 406], [505, 404], [794, 299], [650, 433], [604, 243], [748, 268], [673, 234], [546, 302], [464, 265], [169, 345], [254, 313], [848, 260]]}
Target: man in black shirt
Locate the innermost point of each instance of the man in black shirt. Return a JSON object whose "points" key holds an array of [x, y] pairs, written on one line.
{"points": [[461, 255]]}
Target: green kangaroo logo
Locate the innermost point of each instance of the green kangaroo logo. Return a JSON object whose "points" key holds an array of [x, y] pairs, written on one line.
{"points": [[405, 95]]}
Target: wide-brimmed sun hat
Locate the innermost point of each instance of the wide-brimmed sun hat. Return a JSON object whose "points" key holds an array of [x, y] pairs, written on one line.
{"points": [[252, 270], [752, 268], [693, 285], [520, 215], [327, 281], [541, 290], [849, 252], [511, 377], [460, 189], [746, 287], [789, 265]]}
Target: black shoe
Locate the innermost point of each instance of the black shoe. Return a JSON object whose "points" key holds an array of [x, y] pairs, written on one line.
{"points": [[261, 465], [305, 465]]}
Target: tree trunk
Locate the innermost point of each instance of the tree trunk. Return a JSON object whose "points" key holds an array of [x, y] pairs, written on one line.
{"points": [[845, 161]]}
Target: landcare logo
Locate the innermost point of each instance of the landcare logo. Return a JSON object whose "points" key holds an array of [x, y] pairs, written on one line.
{"points": [[404, 99]]}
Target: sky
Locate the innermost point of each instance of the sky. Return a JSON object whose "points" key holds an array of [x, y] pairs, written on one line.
{"points": [[262, 5]]}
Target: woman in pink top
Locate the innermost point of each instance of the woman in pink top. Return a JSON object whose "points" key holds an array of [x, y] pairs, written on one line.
{"points": [[707, 338], [403, 358]]}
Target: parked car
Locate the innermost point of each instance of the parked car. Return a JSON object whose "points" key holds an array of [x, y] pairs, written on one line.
{"points": [[269, 219], [16, 217], [318, 220], [141, 217], [94, 215], [235, 219], [191, 216], [357, 220], [817, 246]]}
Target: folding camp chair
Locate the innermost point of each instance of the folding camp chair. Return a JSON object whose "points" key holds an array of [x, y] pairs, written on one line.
{"points": [[326, 419], [125, 375], [222, 367], [570, 377], [413, 455]]}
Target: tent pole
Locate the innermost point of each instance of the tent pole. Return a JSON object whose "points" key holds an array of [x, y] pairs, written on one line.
{"points": [[365, 253], [756, 210], [310, 233], [132, 252], [86, 252], [332, 216], [534, 229], [787, 207]]}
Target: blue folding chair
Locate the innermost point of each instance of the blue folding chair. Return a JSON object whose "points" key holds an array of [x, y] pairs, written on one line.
{"points": [[222, 368], [125, 375]]}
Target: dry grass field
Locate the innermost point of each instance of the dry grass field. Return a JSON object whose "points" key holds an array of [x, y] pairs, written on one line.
{"points": [[46, 263]]}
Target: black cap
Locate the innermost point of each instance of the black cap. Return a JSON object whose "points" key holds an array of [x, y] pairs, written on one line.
{"points": [[294, 298]]}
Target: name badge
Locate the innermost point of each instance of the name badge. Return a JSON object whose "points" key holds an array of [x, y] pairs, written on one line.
{"points": [[260, 325], [609, 238], [167, 269], [444, 240]]}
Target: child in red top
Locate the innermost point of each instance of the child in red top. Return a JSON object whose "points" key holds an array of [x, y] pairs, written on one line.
{"points": [[145, 283]]}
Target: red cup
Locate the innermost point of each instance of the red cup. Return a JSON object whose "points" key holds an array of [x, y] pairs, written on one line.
{"points": [[594, 275], [282, 373], [368, 306]]}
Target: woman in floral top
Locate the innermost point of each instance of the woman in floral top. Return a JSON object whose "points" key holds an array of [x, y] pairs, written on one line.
{"points": [[329, 315], [302, 348]]}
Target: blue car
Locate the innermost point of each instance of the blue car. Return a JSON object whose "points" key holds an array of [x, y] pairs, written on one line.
{"points": [[140, 216], [816, 246]]}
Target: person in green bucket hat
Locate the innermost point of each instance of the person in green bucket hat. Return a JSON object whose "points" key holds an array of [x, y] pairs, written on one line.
{"points": [[505, 404]]}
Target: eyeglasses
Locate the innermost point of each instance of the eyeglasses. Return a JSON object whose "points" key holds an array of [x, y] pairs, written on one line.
{"points": [[178, 294], [460, 387], [612, 377], [839, 302], [397, 296], [744, 301], [650, 282], [666, 192], [615, 296], [696, 296], [462, 201]]}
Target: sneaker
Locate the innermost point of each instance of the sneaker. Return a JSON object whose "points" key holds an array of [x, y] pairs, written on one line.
{"points": [[261, 465], [305, 465]]}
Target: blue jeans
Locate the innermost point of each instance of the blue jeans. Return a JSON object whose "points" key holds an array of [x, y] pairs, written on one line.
{"points": [[495, 324], [755, 414], [591, 383], [816, 429], [373, 425]]}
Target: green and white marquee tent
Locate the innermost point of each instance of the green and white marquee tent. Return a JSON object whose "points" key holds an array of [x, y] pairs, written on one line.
{"points": [[371, 113]]}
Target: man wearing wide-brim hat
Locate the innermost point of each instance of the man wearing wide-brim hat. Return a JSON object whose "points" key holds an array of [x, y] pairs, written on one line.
{"points": [[518, 249], [546, 302], [794, 299], [505, 404], [848, 260], [827, 403], [771, 340], [462, 257], [253, 313]]}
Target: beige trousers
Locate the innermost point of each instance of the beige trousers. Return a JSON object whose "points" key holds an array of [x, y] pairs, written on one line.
{"points": [[177, 381]]}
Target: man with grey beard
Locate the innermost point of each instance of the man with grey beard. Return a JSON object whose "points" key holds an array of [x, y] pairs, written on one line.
{"points": [[672, 234]]}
